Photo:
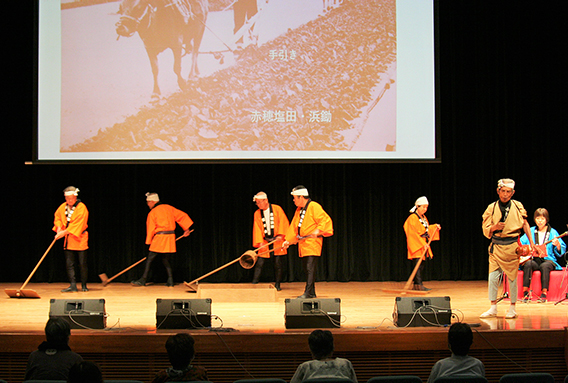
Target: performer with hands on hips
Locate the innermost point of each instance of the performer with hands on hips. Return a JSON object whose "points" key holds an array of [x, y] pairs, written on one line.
{"points": [[309, 225], [70, 222], [502, 223], [419, 234], [555, 248], [270, 223]]}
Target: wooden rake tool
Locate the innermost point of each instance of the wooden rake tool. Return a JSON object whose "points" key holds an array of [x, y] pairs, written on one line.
{"points": [[406, 289], [28, 293], [247, 261], [106, 280]]}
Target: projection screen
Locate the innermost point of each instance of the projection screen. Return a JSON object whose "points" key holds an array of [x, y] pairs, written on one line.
{"points": [[252, 80]]}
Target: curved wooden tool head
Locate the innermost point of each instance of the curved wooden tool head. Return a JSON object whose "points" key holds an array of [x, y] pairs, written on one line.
{"points": [[248, 259], [192, 286], [25, 293]]}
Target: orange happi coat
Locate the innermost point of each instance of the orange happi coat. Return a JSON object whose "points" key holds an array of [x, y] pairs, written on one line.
{"points": [[414, 242], [281, 224], [315, 218], [162, 218], [78, 237]]}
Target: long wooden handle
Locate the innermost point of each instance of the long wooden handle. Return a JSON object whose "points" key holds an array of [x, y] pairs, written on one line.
{"points": [[214, 271], [407, 285], [281, 247], [123, 271], [39, 263], [230, 263], [266, 244], [181, 236], [134, 264]]}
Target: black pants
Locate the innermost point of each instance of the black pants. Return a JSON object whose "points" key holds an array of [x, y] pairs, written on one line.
{"points": [[545, 268], [70, 265], [418, 276], [310, 263], [165, 260], [277, 268]]}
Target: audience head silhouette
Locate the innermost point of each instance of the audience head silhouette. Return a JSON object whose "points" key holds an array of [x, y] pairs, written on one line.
{"points": [[460, 338], [57, 331], [181, 350], [321, 344]]}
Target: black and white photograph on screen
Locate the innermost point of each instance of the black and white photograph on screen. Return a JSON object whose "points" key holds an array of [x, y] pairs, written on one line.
{"points": [[228, 75]]}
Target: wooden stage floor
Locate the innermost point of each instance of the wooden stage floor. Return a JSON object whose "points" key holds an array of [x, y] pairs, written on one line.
{"points": [[254, 341], [364, 306]]}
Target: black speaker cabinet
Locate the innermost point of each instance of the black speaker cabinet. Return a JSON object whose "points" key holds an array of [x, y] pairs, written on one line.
{"points": [[422, 311], [312, 313], [183, 313], [80, 313]]}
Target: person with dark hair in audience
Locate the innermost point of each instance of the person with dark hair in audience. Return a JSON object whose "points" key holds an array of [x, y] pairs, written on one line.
{"points": [[181, 351], [85, 372], [324, 365], [53, 358], [459, 364]]}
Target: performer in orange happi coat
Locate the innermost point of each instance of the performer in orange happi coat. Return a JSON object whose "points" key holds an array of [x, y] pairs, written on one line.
{"points": [[418, 232], [270, 223], [308, 227], [160, 234], [70, 222]]}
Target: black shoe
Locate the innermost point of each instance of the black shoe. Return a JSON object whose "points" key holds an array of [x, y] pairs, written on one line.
{"points": [[71, 289], [421, 288], [277, 286], [307, 296], [140, 282], [84, 287], [170, 282]]}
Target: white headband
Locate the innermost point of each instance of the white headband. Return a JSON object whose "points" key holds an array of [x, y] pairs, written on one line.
{"points": [[259, 195], [506, 182], [420, 201], [300, 192], [71, 192], [152, 197]]}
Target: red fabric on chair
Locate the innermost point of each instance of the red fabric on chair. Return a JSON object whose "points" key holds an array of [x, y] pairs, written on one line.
{"points": [[556, 291]]}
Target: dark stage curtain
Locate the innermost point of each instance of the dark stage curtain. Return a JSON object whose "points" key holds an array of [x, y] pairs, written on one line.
{"points": [[502, 77]]}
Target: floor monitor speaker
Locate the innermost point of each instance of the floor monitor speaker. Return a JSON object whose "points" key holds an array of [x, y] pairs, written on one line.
{"points": [[422, 311], [312, 313], [183, 313], [80, 313]]}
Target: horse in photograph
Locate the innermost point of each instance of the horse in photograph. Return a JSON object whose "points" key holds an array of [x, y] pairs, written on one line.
{"points": [[161, 24]]}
